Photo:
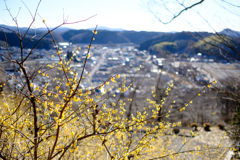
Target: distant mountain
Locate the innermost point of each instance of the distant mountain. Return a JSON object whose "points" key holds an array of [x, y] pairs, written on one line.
{"points": [[230, 33], [107, 28], [76, 36], [59, 30], [225, 44], [158, 43], [33, 34], [139, 37], [169, 37], [105, 37], [102, 37], [14, 28], [220, 46], [13, 40]]}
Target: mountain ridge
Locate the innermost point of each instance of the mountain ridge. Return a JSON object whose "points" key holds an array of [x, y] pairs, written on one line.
{"points": [[158, 43]]}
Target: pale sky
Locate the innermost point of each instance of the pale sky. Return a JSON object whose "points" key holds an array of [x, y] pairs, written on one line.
{"points": [[126, 14]]}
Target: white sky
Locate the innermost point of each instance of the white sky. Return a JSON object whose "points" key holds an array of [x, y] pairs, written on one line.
{"points": [[126, 14]]}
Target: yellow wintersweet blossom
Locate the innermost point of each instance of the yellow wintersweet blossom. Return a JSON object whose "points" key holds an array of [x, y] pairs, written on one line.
{"points": [[112, 79]]}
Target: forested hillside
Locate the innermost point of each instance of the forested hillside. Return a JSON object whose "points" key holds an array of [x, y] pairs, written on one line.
{"points": [[157, 43]]}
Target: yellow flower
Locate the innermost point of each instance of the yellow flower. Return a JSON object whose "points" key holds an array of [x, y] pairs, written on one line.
{"points": [[214, 82], [209, 85], [94, 31], [118, 76], [199, 94], [112, 79], [43, 21]]}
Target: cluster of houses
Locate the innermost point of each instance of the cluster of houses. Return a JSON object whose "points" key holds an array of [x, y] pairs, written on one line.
{"points": [[104, 61]]}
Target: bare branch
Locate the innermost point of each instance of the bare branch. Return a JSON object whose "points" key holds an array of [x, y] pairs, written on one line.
{"points": [[179, 13]]}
